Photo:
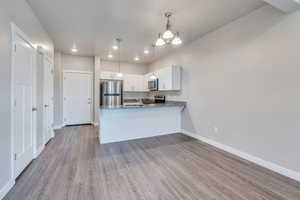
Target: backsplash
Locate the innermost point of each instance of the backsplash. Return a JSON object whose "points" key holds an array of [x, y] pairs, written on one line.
{"points": [[170, 95], [135, 95]]}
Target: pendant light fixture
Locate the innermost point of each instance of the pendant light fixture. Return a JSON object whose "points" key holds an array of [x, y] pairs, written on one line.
{"points": [[74, 49], [160, 42], [152, 76], [176, 40], [119, 74], [168, 37]]}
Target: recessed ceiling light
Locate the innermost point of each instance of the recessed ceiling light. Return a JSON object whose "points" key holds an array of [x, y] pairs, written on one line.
{"points": [[146, 51], [136, 58], [110, 55], [115, 47], [74, 50]]}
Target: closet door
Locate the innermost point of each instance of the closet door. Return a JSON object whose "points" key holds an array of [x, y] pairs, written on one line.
{"points": [[23, 77]]}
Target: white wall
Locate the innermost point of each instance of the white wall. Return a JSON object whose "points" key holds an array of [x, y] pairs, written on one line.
{"points": [[66, 62], [84, 63], [77, 63], [126, 68], [19, 12], [242, 85]]}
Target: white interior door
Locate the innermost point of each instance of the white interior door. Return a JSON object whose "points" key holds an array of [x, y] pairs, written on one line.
{"points": [[77, 98], [23, 77], [48, 100]]}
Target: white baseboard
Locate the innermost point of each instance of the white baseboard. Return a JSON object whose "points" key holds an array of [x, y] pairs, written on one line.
{"points": [[39, 151], [6, 188], [58, 127], [269, 165]]}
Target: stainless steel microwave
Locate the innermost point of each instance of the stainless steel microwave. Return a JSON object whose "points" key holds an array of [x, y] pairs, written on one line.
{"points": [[153, 84]]}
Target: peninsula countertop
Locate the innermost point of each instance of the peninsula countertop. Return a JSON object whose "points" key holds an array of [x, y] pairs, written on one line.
{"points": [[154, 105]]}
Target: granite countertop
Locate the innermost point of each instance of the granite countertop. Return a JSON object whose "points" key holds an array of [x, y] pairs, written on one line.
{"points": [[155, 105]]}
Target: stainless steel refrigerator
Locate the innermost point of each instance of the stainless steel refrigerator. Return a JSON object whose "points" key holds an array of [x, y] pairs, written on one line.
{"points": [[111, 92]]}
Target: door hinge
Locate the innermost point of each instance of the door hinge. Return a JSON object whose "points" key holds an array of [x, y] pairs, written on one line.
{"points": [[15, 156], [15, 48]]}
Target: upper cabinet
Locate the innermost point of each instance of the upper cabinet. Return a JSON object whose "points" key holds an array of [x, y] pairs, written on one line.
{"points": [[134, 83], [110, 76], [131, 82], [169, 78]]}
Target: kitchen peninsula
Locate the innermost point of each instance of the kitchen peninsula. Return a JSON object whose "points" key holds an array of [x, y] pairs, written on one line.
{"points": [[121, 123]]}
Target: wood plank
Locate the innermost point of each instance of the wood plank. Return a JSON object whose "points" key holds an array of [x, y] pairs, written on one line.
{"points": [[75, 166]]}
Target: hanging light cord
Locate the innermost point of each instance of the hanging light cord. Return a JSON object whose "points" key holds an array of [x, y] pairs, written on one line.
{"points": [[154, 50], [119, 54], [119, 57]]}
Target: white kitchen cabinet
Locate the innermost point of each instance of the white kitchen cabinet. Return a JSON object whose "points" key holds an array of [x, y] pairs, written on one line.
{"points": [[169, 78], [110, 76], [133, 83]]}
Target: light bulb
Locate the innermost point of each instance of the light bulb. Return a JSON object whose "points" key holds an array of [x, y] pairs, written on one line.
{"points": [[136, 58], [177, 40], [110, 55], [168, 35], [119, 75], [146, 51], [160, 42]]}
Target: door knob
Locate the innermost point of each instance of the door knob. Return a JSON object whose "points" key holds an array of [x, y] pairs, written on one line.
{"points": [[34, 109], [46, 106]]}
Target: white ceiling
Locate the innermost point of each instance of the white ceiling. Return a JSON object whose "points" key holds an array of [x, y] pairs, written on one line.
{"points": [[285, 5], [94, 24]]}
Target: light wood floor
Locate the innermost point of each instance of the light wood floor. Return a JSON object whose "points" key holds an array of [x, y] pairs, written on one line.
{"points": [[172, 167]]}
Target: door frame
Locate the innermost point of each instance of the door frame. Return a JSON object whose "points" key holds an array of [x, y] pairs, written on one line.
{"points": [[92, 92], [45, 57], [14, 32]]}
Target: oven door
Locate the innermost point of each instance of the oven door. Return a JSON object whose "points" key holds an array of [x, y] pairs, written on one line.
{"points": [[153, 85]]}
